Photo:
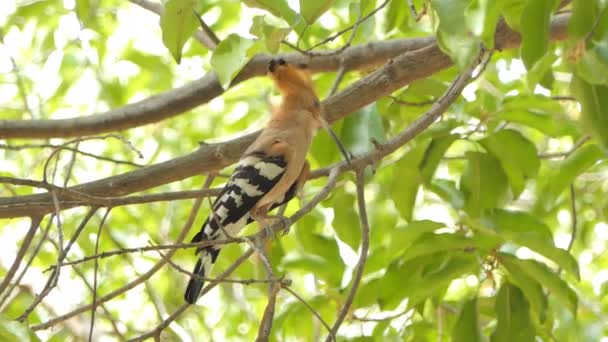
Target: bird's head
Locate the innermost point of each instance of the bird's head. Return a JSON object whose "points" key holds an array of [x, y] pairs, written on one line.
{"points": [[295, 84], [291, 79]]}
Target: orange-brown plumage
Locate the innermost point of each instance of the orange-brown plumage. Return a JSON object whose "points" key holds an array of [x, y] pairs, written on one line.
{"points": [[270, 171]]}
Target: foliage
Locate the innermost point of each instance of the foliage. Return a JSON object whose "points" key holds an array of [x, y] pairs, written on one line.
{"points": [[490, 225]]}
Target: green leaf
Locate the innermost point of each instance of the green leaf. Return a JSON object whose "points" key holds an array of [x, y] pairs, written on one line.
{"points": [[312, 10], [545, 276], [531, 288], [593, 68], [452, 34], [327, 270], [584, 14], [433, 155], [538, 112], [229, 57], [360, 128], [436, 271], [178, 22], [541, 70], [483, 183], [447, 190], [526, 230], [513, 316], [278, 8], [517, 156], [564, 173], [512, 11], [594, 103], [345, 220], [430, 243], [405, 187], [402, 238], [482, 17], [14, 331], [535, 25], [83, 10], [272, 35], [467, 328]]}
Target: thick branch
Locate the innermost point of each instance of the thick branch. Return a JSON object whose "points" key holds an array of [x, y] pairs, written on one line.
{"points": [[186, 97], [392, 76]]}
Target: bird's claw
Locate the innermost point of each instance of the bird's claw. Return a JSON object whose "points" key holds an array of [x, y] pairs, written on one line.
{"points": [[285, 223], [269, 231]]}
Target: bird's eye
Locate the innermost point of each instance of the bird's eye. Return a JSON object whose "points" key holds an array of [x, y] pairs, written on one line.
{"points": [[316, 104]]}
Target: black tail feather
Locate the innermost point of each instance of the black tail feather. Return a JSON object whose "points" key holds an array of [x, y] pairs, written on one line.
{"points": [[195, 285]]}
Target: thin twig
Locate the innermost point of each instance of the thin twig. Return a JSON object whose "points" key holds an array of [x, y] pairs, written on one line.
{"points": [[360, 182], [383, 319], [309, 307], [273, 289], [28, 263], [267, 318], [185, 229], [84, 279], [54, 277], [595, 24], [574, 217], [25, 244], [338, 79], [77, 140], [84, 153], [95, 270], [225, 280], [415, 128], [158, 330], [19, 78], [418, 126], [352, 27], [563, 98]]}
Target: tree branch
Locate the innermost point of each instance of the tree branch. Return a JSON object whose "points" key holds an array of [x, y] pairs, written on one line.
{"points": [[184, 231], [399, 72], [179, 100], [360, 182], [27, 240]]}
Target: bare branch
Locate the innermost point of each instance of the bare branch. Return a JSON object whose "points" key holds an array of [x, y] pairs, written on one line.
{"points": [[182, 99], [158, 330], [84, 153], [387, 318], [266, 324], [273, 289], [212, 157], [362, 255], [186, 228], [95, 270], [28, 263], [382, 150], [54, 277], [27, 240]]}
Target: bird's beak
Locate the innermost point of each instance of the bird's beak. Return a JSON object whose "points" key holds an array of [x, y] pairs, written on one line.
{"points": [[335, 137]]}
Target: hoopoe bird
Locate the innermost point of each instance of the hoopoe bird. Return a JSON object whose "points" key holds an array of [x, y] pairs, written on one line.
{"points": [[270, 172]]}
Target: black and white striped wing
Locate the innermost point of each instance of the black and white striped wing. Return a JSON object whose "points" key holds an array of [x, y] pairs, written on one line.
{"points": [[254, 176]]}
